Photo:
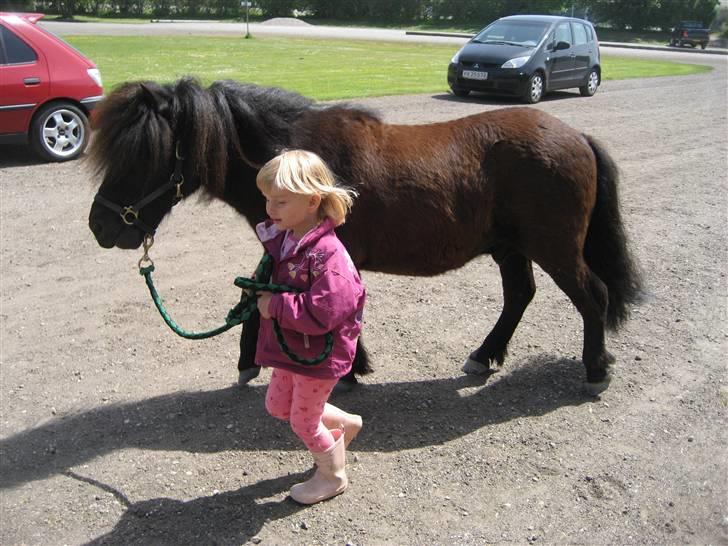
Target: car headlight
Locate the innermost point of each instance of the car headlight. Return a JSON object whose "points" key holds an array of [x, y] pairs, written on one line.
{"points": [[455, 58], [518, 62], [95, 75]]}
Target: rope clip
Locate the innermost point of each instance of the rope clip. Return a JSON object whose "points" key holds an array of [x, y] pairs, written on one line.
{"points": [[148, 242]]}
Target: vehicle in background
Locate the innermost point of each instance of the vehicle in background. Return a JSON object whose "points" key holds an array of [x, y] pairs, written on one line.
{"points": [[528, 56], [47, 89], [690, 33]]}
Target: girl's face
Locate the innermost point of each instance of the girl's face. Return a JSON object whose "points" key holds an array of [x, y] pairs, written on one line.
{"points": [[294, 211]]}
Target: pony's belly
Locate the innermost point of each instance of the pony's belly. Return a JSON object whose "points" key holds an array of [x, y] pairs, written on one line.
{"points": [[422, 264]]}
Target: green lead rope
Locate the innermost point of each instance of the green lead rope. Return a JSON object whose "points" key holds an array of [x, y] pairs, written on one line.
{"points": [[244, 310]]}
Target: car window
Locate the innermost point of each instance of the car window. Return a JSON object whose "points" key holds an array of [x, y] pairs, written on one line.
{"points": [[563, 33], [528, 33], [579, 31], [589, 33], [16, 50]]}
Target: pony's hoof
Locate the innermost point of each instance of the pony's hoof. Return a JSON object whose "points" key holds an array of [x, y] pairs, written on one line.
{"points": [[595, 389], [247, 375], [473, 367]]}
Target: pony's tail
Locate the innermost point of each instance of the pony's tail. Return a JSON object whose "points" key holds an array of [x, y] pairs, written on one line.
{"points": [[606, 249]]}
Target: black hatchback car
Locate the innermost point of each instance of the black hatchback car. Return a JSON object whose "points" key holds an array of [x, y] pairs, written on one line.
{"points": [[528, 56]]}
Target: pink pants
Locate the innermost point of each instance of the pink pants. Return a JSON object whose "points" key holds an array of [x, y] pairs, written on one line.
{"points": [[300, 400]]}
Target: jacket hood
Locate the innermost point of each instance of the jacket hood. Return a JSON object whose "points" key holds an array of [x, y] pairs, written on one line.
{"points": [[268, 233]]}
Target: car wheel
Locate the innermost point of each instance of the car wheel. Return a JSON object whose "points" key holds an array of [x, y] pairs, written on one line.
{"points": [[59, 132], [534, 88], [592, 84], [703, 45], [459, 91]]}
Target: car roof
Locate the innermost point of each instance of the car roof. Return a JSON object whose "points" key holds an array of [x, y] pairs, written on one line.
{"points": [[542, 18]]}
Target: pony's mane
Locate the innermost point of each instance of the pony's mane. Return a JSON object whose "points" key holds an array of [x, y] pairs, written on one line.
{"points": [[141, 122]]}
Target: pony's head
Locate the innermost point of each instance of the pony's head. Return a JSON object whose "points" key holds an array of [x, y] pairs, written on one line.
{"points": [[153, 145]]}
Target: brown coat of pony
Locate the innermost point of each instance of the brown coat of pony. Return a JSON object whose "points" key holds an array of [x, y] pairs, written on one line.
{"points": [[515, 183]]}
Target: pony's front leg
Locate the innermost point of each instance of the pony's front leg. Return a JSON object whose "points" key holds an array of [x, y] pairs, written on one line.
{"points": [[247, 370], [518, 290], [359, 367]]}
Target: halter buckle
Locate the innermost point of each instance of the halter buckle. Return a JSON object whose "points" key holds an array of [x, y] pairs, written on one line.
{"points": [[129, 215]]}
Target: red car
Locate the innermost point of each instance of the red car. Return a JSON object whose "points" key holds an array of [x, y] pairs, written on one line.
{"points": [[47, 89]]}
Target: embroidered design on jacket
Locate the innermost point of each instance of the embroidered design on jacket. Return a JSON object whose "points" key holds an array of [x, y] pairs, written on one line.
{"points": [[298, 270], [316, 258]]}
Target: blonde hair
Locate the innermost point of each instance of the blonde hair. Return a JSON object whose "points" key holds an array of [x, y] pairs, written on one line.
{"points": [[303, 172]]}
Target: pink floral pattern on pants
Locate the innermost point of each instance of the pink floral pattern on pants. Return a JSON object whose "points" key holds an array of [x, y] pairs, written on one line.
{"points": [[300, 400]]}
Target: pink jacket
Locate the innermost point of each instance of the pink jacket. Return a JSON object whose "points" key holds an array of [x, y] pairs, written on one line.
{"points": [[332, 301]]}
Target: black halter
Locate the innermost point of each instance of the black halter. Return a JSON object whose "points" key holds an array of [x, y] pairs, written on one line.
{"points": [[130, 213]]}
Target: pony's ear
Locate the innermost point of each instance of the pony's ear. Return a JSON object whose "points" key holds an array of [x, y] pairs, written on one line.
{"points": [[154, 99]]}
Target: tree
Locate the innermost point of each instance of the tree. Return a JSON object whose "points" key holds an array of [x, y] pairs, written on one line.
{"points": [[278, 8], [642, 14], [15, 5]]}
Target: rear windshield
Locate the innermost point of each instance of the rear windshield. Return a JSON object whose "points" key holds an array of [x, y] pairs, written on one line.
{"points": [[523, 33], [691, 24]]}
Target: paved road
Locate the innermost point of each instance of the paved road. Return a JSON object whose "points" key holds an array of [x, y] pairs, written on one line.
{"points": [[296, 28], [214, 28]]}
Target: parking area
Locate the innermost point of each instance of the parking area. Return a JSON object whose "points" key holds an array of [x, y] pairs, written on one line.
{"points": [[116, 432]]}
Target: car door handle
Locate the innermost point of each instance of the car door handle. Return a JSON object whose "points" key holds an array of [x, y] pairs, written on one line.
{"points": [[31, 81]]}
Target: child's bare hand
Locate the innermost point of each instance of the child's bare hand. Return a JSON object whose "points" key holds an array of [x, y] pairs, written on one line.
{"points": [[263, 303]]}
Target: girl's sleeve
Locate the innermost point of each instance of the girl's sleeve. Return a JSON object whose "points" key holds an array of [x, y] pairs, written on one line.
{"points": [[332, 298]]}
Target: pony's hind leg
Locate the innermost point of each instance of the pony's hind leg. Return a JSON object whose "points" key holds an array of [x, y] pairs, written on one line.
{"points": [[590, 297], [518, 290]]}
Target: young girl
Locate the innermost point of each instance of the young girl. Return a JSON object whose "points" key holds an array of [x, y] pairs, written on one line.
{"points": [[304, 206]]}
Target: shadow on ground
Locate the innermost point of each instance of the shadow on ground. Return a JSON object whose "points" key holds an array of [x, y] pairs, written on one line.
{"points": [[504, 100], [17, 155], [200, 421], [233, 517]]}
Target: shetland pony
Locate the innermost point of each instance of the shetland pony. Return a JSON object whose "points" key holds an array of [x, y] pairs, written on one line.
{"points": [[515, 183]]}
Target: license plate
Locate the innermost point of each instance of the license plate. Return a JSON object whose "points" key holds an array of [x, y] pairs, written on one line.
{"points": [[475, 75]]}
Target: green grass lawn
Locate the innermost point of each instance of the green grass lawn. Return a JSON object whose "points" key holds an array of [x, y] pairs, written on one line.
{"points": [[320, 69]]}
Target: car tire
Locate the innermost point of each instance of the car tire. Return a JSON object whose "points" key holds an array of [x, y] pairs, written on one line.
{"points": [[703, 45], [592, 84], [534, 88], [459, 91], [59, 132]]}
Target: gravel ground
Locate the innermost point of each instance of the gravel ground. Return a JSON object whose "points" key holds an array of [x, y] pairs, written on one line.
{"points": [[114, 431]]}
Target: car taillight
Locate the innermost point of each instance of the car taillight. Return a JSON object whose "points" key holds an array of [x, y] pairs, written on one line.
{"points": [[685, 33], [95, 75]]}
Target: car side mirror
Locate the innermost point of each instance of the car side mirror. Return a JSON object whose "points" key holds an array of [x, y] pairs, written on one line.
{"points": [[562, 45]]}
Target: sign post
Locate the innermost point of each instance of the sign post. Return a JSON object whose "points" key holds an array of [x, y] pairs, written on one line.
{"points": [[247, 17]]}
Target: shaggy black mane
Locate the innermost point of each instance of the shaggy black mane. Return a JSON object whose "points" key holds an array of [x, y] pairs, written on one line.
{"points": [[144, 121]]}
